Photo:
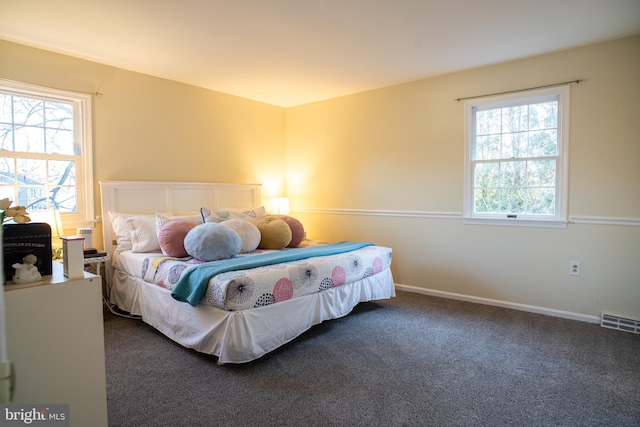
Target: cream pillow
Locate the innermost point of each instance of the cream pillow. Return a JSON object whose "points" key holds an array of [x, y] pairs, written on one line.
{"points": [[144, 237], [163, 218], [249, 233]]}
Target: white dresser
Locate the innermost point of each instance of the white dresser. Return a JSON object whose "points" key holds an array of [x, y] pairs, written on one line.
{"points": [[55, 340]]}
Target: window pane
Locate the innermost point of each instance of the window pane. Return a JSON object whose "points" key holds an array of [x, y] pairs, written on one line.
{"points": [[488, 147], [543, 116], [62, 172], [5, 108], [515, 119], [486, 175], [31, 171], [514, 145], [59, 123], [29, 139], [28, 111], [486, 200], [7, 192], [541, 201], [6, 137], [7, 171], [512, 174], [33, 198], [60, 142], [45, 198], [488, 122], [543, 143], [63, 199], [511, 200], [59, 115], [541, 173]]}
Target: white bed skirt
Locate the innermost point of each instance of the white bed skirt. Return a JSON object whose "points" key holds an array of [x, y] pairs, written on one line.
{"points": [[245, 335]]}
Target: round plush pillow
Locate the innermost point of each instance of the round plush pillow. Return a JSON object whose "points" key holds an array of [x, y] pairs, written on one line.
{"points": [[274, 232], [171, 237], [211, 241], [297, 230], [248, 232]]}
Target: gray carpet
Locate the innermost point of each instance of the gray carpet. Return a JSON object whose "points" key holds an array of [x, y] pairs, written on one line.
{"points": [[413, 360]]}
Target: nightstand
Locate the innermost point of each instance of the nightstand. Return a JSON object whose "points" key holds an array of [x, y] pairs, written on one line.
{"points": [[94, 262]]}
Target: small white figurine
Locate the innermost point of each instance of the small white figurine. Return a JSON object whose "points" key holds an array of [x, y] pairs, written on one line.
{"points": [[27, 272]]}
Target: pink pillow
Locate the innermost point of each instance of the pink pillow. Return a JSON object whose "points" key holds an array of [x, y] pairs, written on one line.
{"points": [[297, 230], [171, 237]]}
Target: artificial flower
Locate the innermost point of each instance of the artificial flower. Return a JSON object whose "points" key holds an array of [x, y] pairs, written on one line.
{"points": [[18, 213], [4, 204]]}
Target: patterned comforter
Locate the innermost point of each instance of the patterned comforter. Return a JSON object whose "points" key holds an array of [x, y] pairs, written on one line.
{"points": [[243, 289]]}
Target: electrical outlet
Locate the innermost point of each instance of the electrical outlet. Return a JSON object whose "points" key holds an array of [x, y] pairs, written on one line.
{"points": [[574, 268]]}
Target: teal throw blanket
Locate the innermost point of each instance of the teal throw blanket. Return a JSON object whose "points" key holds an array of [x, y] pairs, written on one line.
{"points": [[193, 284]]}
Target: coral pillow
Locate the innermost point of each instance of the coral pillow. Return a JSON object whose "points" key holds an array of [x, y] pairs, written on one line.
{"points": [[171, 237], [248, 232], [297, 230], [211, 241], [274, 232]]}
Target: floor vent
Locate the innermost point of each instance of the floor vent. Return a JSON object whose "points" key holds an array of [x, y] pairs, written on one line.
{"points": [[620, 323]]}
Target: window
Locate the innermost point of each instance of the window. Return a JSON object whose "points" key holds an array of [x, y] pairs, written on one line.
{"points": [[516, 161], [45, 151]]}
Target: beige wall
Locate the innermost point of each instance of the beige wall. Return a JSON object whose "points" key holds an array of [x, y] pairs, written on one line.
{"points": [[147, 128], [389, 152], [401, 149]]}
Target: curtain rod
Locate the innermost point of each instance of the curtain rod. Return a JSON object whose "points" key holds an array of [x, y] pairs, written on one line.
{"points": [[520, 90], [96, 93]]}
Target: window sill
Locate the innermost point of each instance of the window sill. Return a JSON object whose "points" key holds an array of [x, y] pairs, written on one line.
{"points": [[516, 222]]}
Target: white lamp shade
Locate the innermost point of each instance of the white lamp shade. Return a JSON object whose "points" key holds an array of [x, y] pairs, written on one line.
{"points": [[279, 206], [50, 217]]}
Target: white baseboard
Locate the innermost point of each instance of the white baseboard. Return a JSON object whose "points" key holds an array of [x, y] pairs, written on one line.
{"points": [[505, 304]]}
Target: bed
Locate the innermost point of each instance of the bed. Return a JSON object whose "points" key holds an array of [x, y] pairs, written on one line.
{"points": [[243, 307]]}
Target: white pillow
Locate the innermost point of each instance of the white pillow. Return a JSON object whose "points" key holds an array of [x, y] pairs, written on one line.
{"points": [[249, 233], [123, 234], [143, 234], [122, 230]]}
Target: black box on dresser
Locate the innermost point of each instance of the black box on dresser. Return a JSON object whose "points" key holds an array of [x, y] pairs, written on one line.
{"points": [[20, 240]]}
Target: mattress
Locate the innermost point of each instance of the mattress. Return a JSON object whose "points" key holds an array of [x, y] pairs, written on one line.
{"points": [[264, 285]]}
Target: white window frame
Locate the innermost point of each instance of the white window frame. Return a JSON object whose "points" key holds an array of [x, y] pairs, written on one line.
{"points": [[559, 220], [82, 102]]}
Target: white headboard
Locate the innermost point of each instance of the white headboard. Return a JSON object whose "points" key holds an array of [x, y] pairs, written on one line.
{"points": [[148, 197]]}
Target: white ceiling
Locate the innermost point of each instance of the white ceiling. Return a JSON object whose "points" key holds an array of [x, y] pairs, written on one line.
{"points": [[290, 52]]}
